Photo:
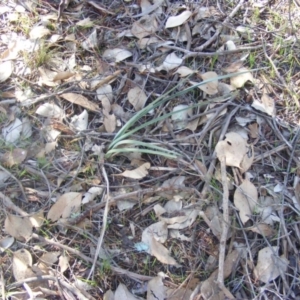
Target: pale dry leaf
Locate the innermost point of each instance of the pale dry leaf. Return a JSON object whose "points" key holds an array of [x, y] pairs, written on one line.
{"points": [[105, 92], [145, 42], [269, 264], [109, 122], [47, 77], [137, 97], [178, 294], [37, 219], [5, 243], [87, 22], [109, 295], [266, 105], [180, 115], [171, 62], [138, 173], [254, 130], [162, 253], [181, 223], [173, 205], [184, 71], [91, 42], [125, 204], [262, 229], [234, 147], [22, 260], [14, 157], [65, 205], [18, 227], [175, 234], [175, 21], [145, 26], [50, 110], [116, 54], [80, 122], [158, 230], [211, 87], [81, 101], [63, 263], [38, 32], [123, 293], [91, 194], [245, 199], [248, 159], [6, 69], [156, 289], [12, 132], [26, 128], [145, 4], [63, 75], [180, 36], [49, 258], [239, 80]]}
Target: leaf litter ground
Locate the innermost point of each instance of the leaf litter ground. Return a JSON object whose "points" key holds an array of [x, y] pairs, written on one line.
{"points": [[149, 150]]}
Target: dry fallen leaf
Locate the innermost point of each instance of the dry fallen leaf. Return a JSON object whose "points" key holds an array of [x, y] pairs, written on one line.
{"points": [[145, 26], [175, 21], [81, 101], [14, 157], [50, 110], [172, 61], [22, 261], [156, 289], [269, 264], [38, 32], [266, 105], [137, 98], [109, 122], [137, 173], [234, 148], [211, 87], [12, 132], [239, 80], [18, 227], [116, 55], [6, 69], [65, 205], [262, 229], [123, 293], [245, 199]]}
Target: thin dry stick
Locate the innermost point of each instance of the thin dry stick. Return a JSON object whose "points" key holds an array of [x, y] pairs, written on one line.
{"points": [[219, 30], [9, 204], [104, 222], [19, 183], [225, 222]]}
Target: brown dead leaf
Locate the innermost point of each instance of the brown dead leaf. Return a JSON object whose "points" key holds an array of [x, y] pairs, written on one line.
{"points": [[146, 26], [137, 98], [18, 227], [14, 157], [110, 122], [65, 205], [63, 75], [22, 261], [137, 173], [245, 199], [81, 101], [262, 229]]}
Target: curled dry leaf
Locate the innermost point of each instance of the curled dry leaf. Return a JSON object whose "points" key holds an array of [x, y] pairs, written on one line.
{"points": [[6, 69], [262, 229], [211, 87], [137, 98], [156, 289], [81, 101], [171, 62], [12, 132], [123, 293], [239, 80], [18, 227], [234, 148], [269, 264], [50, 110], [109, 122], [14, 157], [38, 32], [137, 173], [184, 71], [64, 206], [116, 54], [145, 26], [5, 243], [178, 20], [245, 199], [266, 105]]}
